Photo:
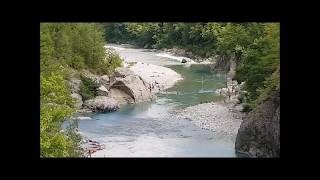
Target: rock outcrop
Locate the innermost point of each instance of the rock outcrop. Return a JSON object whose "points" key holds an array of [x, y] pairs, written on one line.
{"points": [[123, 87], [128, 87], [102, 104], [259, 133], [74, 85], [102, 91], [78, 100], [93, 77], [104, 80], [99, 80]]}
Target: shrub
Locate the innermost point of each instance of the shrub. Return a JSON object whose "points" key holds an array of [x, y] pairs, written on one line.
{"points": [[88, 88]]}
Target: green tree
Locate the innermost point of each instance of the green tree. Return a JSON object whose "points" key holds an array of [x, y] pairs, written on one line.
{"points": [[55, 105]]}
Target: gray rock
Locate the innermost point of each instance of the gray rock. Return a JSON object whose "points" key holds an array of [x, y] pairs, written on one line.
{"points": [[183, 60], [130, 84], [104, 80], [259, 133], [102, 104], [74, 85], [123, 72], [78, 100], [102, 91], [93, 77]]}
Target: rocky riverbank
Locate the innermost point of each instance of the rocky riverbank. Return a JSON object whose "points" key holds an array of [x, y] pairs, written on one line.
{"points": [[259, 133], [223, 117], [122, 87]]}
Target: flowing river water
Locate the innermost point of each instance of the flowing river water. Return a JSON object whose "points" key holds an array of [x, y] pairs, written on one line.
{"points": [[150, 129]]}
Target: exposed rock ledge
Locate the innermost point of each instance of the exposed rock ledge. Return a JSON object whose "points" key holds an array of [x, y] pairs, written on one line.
{"points": [[259, 133], [127, 87], [123, 87], [102, 104]]}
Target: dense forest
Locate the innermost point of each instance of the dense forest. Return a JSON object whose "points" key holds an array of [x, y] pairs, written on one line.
{"points": [[68, 48], [254, 46]]}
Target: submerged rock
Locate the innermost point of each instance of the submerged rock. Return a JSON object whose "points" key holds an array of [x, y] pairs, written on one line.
{"points": [[83, 118], [102, 104]]}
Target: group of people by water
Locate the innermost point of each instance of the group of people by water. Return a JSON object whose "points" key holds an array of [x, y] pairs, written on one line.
{"points": [[153, 85], [93, 146], [227, 93]]}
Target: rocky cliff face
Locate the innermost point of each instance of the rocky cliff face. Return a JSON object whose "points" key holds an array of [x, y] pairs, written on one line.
{"points": [[74, 85], [259, 133]]}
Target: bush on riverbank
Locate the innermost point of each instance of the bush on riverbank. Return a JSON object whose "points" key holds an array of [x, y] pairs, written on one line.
{"points": [[88, 88]]}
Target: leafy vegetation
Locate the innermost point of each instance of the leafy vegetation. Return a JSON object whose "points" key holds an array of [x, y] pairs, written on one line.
{"points": [[65, 47], [88, 88]]}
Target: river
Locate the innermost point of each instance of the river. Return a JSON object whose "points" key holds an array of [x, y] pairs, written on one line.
{"points": [[150, 129]]}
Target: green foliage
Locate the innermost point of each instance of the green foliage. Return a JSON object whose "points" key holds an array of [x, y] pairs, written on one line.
{"points": [[55, 105], [53, 89], [88, 88], [77, 62], [162, 35], [63, 48], [260, 69], [271, 83], [76, 45], [110, 63], [246, 107]]}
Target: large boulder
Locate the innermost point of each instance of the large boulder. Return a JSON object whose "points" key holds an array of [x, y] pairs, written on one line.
{"points": [[128, 87], [102, 104], [102, 91], [259, 133], [93, 77], [104, 80]]}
